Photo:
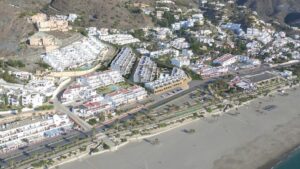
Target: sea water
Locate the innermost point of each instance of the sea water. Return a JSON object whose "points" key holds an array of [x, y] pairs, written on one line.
{"points": [[291, 162]]}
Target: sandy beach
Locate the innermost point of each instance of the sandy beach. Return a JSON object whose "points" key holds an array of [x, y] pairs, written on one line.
{"points": [[248, 140]]}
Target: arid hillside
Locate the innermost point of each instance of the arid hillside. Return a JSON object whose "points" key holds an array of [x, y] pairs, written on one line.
{"points": [[13, 23], [101, 13], [274, 9], [111, 13]]}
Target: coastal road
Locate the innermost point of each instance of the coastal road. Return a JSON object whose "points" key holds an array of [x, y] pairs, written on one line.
{"points": [[61, 108], [61, 140]]}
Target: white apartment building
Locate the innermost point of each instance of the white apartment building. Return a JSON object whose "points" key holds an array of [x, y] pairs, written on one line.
{"points": [[157, 54], [124, 61], [23, 97], [209, 72], [101, 79], [44, 86], [32, 99], [84, 51], [126, 96], [146, 70], [177, 78], [22, 133], [119, 39]]}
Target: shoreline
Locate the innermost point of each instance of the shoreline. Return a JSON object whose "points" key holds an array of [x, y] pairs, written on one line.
{"points": [[281, 158], [130, 141]]}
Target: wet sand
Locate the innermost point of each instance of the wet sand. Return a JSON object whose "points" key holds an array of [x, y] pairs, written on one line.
{"points": [[246, 141]]}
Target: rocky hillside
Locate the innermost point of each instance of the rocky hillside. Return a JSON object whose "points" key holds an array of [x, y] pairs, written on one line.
{"points": [[13, 23], [103, 13], [111, 13], [275, 9]]}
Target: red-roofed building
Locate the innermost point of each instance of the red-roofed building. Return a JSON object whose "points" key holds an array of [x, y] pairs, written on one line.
{"points": [[225, 60], [125, 96], [90, 109]]}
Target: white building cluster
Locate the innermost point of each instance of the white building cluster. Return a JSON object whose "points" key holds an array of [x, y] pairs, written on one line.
{"points": [[146, 70], [93, 108], [119, 39], [126, 96], [199, 18], [157, 54], [264, 36], [162, 33], [77, 92], [101, 79], [236, 28], [42, 85], [85, 86], [109, 102], [283, 47], [31, 95], [24, 98], [78, 53], [124, 61], [22, 133], [180, 61], [180, 43], [208, 71]]}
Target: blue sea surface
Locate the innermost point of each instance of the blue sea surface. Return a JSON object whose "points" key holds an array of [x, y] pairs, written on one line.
{"points": [[292, 162]]}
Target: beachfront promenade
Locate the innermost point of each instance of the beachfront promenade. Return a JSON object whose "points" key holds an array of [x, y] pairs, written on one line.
{"points": [[249, 139]]}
